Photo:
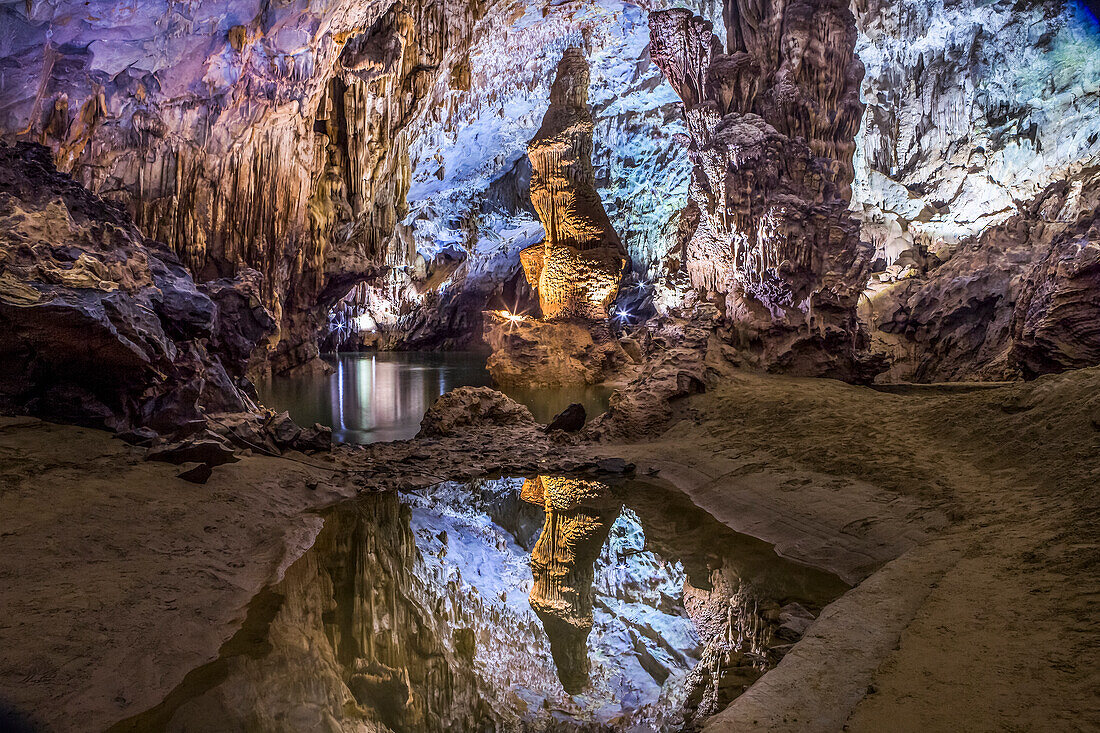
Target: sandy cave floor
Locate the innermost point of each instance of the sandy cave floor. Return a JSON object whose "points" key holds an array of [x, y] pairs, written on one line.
{"points": [[970, 520]]}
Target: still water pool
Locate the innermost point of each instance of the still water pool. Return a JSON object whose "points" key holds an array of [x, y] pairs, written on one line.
{"points": [[546, 603], [375, 397]]}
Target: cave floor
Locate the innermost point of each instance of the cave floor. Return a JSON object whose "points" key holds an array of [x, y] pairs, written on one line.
{"points": [[969, 521]]}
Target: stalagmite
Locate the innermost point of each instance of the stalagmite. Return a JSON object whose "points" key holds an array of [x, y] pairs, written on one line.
{"points": [[771, 125], [577, 267]]}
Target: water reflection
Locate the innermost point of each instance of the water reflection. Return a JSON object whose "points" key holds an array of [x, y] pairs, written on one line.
{"points": [[383, 396], [546, 604]]}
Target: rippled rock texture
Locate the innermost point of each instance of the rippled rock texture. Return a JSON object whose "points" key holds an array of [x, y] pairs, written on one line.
{"points": [[771, 136], [1021, 299], [577, 268], [103, 327]]}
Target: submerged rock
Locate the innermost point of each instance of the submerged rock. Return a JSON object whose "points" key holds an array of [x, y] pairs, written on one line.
{"points": [[571, 419]]}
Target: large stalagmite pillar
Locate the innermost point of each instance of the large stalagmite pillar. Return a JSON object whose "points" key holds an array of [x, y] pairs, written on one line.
{"points": [[577, 268], [772, 123]]}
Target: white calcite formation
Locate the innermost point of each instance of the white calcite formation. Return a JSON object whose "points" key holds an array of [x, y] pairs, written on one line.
{"points": [[972, 110]]}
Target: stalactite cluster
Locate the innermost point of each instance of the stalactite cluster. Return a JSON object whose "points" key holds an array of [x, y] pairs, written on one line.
{"points": [[771, 125], [277, 142], [577, 268]]}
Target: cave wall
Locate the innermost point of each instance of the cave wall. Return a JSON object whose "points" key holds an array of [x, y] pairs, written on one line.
{"points": [[243, 134], [973, 109], [326, 143]]}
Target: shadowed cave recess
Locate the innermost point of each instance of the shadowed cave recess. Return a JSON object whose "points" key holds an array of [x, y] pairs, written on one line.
{"points": [[548, 365]]}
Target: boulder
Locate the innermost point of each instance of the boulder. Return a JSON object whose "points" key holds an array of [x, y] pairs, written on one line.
{"points": [[551, 353], [571, 419], [198, 474], [473, 407], [100, 326]]}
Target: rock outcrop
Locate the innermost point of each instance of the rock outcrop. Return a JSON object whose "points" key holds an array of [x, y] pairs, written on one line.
{"points": [[473, 407], [1021, 299], [578, 267], [771, 135], [102, 327], [535, 353]]}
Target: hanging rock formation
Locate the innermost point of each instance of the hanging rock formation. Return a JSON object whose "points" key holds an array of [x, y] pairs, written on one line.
{"points": [[273, 139], [102, 327], [771, 134], [577, 268]]}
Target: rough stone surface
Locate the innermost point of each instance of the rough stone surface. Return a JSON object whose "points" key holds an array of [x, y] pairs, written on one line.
{"points": [[771, 136], [577, 268], [467, 407], [101, 326], [1018, 300], [551, 354]]}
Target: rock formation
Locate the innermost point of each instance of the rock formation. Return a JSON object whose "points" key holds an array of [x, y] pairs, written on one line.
{"points": [[948, 146], [103, 327], [536, 353], [577, 268], [579, 515], [466, 407], [1021, 299], [771, 126], [273, 140]]}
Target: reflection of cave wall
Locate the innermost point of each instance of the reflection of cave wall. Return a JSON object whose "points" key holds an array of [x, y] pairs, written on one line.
{"points": [[348, 647]]}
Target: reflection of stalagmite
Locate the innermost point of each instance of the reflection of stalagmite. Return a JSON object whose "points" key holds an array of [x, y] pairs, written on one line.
{"points": [[579, 515], [577, 268]]}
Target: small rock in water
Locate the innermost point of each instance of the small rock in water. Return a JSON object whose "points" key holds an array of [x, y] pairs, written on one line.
{"points": [[197, 475], [571, 419]]}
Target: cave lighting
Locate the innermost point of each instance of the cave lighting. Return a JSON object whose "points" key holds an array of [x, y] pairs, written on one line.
{"points": [[365, 322], [623, 316], [513, 317]]}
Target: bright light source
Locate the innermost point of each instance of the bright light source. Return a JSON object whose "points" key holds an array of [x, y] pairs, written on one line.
{"points": [[364, 322], [513, 317], [623, 315]]}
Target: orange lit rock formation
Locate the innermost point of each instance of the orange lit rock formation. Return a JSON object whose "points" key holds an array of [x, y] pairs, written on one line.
{"points": [[577, 268]]}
